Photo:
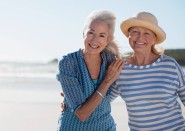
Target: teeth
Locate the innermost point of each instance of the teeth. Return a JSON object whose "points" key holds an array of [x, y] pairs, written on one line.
{"points": [[140, 43], [93, 46]]}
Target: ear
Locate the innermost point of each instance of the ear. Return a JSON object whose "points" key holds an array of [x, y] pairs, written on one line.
{"points": [[155, 39], [109, 39], [84, 34]]}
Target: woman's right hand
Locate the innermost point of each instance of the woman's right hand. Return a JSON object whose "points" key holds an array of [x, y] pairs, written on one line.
{"points": [[63, 106]]}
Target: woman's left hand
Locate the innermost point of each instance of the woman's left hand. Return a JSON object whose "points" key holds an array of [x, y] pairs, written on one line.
{"points": [[114, 70]]}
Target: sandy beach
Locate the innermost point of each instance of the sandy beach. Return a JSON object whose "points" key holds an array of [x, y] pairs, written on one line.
{"points": [[31, 102], [38, 109], [34, 105], [42, 116]]}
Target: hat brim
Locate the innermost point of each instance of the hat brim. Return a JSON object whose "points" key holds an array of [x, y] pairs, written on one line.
{"points": [[160, 34]]}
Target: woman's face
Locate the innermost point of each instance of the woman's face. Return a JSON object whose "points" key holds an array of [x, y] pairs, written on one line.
{"points": [[96, 37], [141, 39]]}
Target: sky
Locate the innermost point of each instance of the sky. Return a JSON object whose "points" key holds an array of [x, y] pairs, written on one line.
{"points": [[41, 30]]}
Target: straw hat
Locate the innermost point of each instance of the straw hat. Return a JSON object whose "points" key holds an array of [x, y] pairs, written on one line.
{"points": [[146, 20]]}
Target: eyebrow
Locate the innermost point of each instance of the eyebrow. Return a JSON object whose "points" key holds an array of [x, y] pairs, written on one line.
{"points": [[100, 33]]}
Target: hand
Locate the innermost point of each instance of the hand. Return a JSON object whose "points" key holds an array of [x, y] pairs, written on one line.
{"points": [[113, 71], [63, 106]]}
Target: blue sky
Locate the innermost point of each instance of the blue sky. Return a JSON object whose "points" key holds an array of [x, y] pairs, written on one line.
{"points": [[40, 30]]}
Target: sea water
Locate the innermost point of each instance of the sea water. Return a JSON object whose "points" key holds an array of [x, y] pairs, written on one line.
{"points": [[31, 82]]}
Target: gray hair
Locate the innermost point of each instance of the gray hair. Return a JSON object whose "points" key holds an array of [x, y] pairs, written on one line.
{"points": [[110, 19]]}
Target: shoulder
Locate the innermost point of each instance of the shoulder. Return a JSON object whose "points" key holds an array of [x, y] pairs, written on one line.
{"points": [[68, 61], [168, 59], [107, 56]]}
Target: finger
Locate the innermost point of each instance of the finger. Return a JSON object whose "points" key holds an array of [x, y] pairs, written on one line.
{"points": [[120, 67], [62, 94], [111, 66], [116, 65]]}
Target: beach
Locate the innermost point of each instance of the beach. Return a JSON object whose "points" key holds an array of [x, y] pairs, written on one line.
{"points": [[42, 116], [32, 105], [30, 100]]}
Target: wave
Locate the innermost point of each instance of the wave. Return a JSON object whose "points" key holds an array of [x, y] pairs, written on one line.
{"points": [[8, 69], [29, 70]]}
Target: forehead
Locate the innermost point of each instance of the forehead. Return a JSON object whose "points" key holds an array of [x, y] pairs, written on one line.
{"points": [[140, 28], [99, 25]]}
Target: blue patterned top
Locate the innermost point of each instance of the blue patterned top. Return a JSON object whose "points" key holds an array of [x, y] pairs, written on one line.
{"points": [[150, 93], [77, 86]]}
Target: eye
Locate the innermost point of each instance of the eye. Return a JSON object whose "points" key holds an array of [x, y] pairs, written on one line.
{"points": [[134, 32], [89, 32], [102, 36], [146, 33]]}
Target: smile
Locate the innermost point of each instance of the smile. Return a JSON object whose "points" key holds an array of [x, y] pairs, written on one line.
{"points": [[93, 46], [140, 43]]}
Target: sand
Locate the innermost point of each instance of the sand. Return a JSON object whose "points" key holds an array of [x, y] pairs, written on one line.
{"points": [[34, 105], [43, 116]]}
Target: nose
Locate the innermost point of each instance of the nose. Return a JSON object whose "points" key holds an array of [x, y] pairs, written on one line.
{"points": [[95, 38], [140, 35]]}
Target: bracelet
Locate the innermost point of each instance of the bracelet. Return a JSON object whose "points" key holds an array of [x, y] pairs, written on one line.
{"points": [[100, 93]]}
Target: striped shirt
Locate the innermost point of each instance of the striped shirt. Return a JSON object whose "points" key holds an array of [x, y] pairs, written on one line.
{"points": [[77, 86], [150, 93]]}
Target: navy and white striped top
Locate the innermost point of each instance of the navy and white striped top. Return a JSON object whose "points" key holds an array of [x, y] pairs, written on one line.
{"points": [[77, 86], [150, 93]]}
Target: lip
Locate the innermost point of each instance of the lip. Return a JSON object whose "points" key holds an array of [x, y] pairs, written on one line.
{"points": [[140, 43], [94, 46]]}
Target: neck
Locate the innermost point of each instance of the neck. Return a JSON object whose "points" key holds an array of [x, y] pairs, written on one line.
{"points": [[143, 59], [93, 62], [92, 58]]}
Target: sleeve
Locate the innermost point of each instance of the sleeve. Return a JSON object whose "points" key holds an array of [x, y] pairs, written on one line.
{"points": [[181, 89], [114, 92], [70, 85]]}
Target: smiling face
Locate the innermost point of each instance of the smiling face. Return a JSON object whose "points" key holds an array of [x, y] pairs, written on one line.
{"points": [[96, 37], [141, 39]]}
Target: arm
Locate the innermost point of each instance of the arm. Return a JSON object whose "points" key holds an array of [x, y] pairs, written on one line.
{"points": [[71, 87], [85, 110], [114, 92], [181, 90]]}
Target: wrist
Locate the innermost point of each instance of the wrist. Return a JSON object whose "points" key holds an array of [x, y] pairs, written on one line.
{"points": [[107, 83]]}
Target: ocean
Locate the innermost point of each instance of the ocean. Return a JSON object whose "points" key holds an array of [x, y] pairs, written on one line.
{"points": [[30, 98], [30, 82]]}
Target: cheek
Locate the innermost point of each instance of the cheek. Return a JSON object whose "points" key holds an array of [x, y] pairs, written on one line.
{"points": [[151, 42], [105, 43], [87, 38], [86, 41], [130, 40]]}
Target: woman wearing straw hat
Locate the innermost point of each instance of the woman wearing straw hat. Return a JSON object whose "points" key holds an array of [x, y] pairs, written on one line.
{"points": [[150, 81], [83, 80]]}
